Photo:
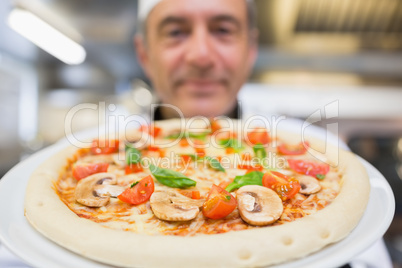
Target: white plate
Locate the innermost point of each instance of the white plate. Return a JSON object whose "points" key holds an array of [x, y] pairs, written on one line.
{"points": [[19, 237]]}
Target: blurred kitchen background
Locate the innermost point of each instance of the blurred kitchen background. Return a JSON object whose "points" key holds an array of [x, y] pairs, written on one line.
{"points": [[312, 53]]}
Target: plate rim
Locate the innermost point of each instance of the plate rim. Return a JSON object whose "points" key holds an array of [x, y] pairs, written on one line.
{"points": [[35, 160]]}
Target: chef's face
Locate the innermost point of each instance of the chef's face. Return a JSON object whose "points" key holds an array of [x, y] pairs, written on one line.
{"points": [[198, 53]]}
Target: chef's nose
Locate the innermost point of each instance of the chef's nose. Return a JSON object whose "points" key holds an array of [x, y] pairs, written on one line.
{"points": [[200, 49]]}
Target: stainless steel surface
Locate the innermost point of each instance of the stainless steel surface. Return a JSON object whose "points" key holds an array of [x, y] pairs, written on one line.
{"points": [[382, 152], [18, 109]]}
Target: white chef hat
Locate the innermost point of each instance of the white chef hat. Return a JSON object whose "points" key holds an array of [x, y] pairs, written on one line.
{"points": [[145, 6]]}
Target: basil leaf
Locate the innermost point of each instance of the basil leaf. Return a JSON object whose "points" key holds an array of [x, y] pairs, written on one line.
{"points": [[320, 176], [175, 136], [133, 155], [171, 178], [259, 151], [252, 178], [194, 157], [134, 184], [214, 164], [200, 136], [232, 143]]}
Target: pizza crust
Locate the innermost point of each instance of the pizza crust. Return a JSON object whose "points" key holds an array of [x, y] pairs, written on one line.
{"points": [[249, 248]]}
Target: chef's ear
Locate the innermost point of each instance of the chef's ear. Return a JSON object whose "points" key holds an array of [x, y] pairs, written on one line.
{"points": [[142, 53]]}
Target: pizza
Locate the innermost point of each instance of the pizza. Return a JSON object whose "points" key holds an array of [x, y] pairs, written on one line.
{"points": [[198, 193]]}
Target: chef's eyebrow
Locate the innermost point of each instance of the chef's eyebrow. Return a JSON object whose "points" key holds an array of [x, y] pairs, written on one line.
{"points": [[171, 20], [182, 20], [226, 18]]}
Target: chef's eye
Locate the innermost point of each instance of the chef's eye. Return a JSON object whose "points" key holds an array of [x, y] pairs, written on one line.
{"points": [[223, 29], [175, 32]]}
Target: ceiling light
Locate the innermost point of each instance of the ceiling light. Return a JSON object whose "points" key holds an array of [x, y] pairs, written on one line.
{"points": [[46, 37]]}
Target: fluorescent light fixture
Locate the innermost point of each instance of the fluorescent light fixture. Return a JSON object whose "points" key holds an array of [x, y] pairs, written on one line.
{"points": [[46, 37]]}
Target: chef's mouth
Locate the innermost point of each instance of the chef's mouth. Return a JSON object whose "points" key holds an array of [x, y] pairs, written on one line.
{"points": [[201, 88], [202, 94]]}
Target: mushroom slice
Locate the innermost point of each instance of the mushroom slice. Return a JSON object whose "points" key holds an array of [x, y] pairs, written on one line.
{"points": [[259, 205], [108, 190], [309, 185], [172, 206], [86, 194]]}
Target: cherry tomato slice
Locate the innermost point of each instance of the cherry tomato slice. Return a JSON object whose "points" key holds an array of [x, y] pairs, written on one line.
{"points": [[224, 184], [200, 152], [286, 149], [219, 203], [183, 143], [133, 168], [246, 157], [139, 193], [271, 178], [82, 171], [230, 150], [311, 168], [195, 194], [186, 158], [215, 126], [199, 147], [250, 168], [151, 130], [186, 193], [104, 146], [160, 151], [284, 186], [258, 136]]}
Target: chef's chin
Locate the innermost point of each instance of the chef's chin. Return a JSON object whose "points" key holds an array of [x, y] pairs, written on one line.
{"points": [[208, 107]]}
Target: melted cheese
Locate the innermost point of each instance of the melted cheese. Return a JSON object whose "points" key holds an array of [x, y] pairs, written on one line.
{"points": [[140, 218]]}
